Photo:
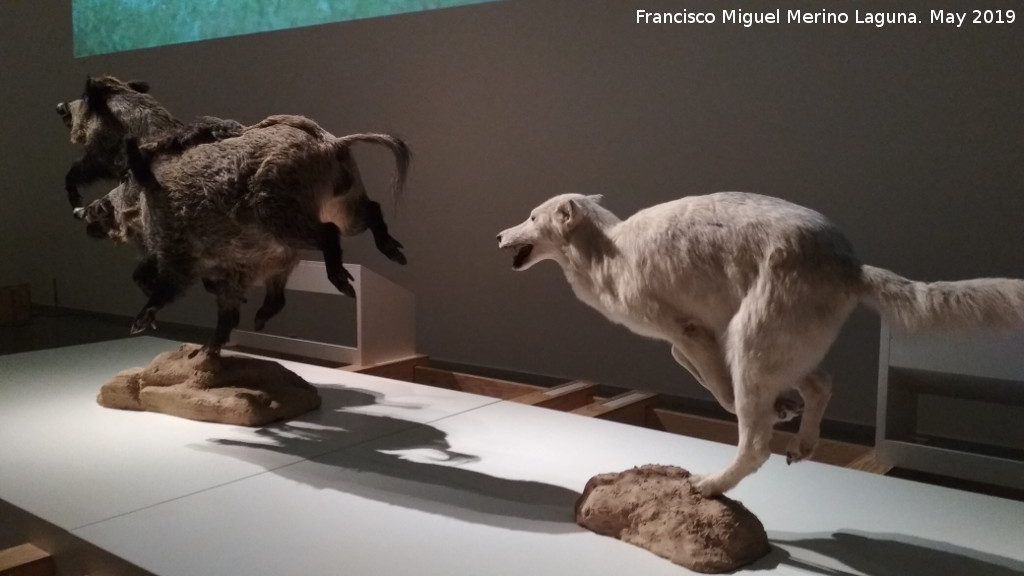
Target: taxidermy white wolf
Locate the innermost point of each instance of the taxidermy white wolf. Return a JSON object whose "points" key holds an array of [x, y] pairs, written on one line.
{"points": [[750, 291]]}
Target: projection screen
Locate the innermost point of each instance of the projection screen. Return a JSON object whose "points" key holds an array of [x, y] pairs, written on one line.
{"points": [[105, 26]]}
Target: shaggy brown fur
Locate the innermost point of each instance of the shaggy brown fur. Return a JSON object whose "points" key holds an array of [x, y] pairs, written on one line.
{"points": [[108, 112], [235, 212]]}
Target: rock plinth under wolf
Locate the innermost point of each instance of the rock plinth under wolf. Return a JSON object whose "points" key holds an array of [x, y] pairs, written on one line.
{"points": [[657, 508], [190, 383]]}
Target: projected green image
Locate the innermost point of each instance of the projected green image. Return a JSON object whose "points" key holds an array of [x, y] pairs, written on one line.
{"points": [[104, 26]]}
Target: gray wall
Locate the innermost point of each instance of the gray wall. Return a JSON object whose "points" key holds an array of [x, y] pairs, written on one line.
{"points": [[909, 137]]}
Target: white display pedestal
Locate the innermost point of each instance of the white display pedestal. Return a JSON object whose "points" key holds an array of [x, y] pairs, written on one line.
{"points": [[394, 478], [385, 320], [983, 372]]}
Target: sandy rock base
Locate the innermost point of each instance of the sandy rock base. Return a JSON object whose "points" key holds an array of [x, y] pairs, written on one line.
{"points": [[233, 390], [655, 507]]}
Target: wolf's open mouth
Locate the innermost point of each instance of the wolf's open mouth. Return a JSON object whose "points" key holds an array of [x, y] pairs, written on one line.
{"points": [[522, 253]]}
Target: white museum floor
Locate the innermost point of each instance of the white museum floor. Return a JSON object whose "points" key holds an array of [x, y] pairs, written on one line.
{"points": [[390, 477]]}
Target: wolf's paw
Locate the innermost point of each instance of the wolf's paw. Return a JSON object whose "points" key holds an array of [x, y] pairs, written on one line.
{"points": [[787, 408], [706, 486], [800, 449]]}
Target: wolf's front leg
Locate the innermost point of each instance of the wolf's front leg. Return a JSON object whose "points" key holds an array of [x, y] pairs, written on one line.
{"points": [[755, 411]]}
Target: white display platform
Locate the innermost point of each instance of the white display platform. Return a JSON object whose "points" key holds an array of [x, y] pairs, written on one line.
{"points": [[396, 478]]}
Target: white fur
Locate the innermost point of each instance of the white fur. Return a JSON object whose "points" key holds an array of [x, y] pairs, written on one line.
{"points": [[750, 291]]}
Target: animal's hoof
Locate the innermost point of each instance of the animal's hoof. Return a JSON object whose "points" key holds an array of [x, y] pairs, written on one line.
{"points": [[145, 320], [392, 249], [141, 325], [343, 283]]}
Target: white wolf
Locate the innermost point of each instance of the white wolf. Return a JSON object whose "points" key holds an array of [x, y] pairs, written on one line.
{"points": [[750, 291]]}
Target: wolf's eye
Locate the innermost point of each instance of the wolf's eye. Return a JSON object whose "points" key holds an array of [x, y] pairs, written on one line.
{"points": [[533, 218]]}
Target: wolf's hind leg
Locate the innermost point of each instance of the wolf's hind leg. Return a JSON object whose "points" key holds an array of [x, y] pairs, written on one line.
{"points": [[696, 349], [815, 389]]}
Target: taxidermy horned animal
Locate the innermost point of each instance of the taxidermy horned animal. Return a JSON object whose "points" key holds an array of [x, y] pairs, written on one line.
{"points": [[109, 111], [750, 291], [235, 212]]}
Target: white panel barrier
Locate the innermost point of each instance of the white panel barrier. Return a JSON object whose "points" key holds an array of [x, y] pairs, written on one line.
{"points": [[979, 382], [385, 319]]}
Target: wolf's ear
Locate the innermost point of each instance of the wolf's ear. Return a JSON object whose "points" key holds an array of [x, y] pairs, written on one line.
{"points": [[595, 198], [139, 86], [568, 214]]}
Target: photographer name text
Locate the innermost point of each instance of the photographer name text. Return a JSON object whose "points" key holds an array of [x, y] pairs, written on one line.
{"points": [[878, 19]]}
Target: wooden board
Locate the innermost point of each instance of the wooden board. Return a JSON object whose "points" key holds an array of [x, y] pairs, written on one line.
{"points": [[492, 387], [26, 560], [566, 397], [404, 369], [630, 407]]}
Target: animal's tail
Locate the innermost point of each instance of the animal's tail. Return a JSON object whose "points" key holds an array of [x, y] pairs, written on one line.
{"points": [[962, 305], [403, 156]]}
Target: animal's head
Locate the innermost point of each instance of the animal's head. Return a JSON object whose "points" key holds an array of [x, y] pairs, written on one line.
{"points": [[116, 216], [547, 232], [110, 109]]}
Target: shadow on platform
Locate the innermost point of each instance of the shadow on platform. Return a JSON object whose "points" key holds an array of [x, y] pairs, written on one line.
{"points": [[410, 465], [857, 553]]}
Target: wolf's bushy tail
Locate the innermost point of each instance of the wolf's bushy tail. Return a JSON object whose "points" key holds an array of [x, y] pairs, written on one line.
{"points": [[939, 306], [398, 147]]}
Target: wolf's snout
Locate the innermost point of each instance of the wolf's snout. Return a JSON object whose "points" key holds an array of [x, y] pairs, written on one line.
{"points": [[62, 109], [499, 238]]}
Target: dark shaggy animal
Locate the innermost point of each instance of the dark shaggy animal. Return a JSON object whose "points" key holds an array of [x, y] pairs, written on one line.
{"points": [[108, 112], [235, 212]]}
